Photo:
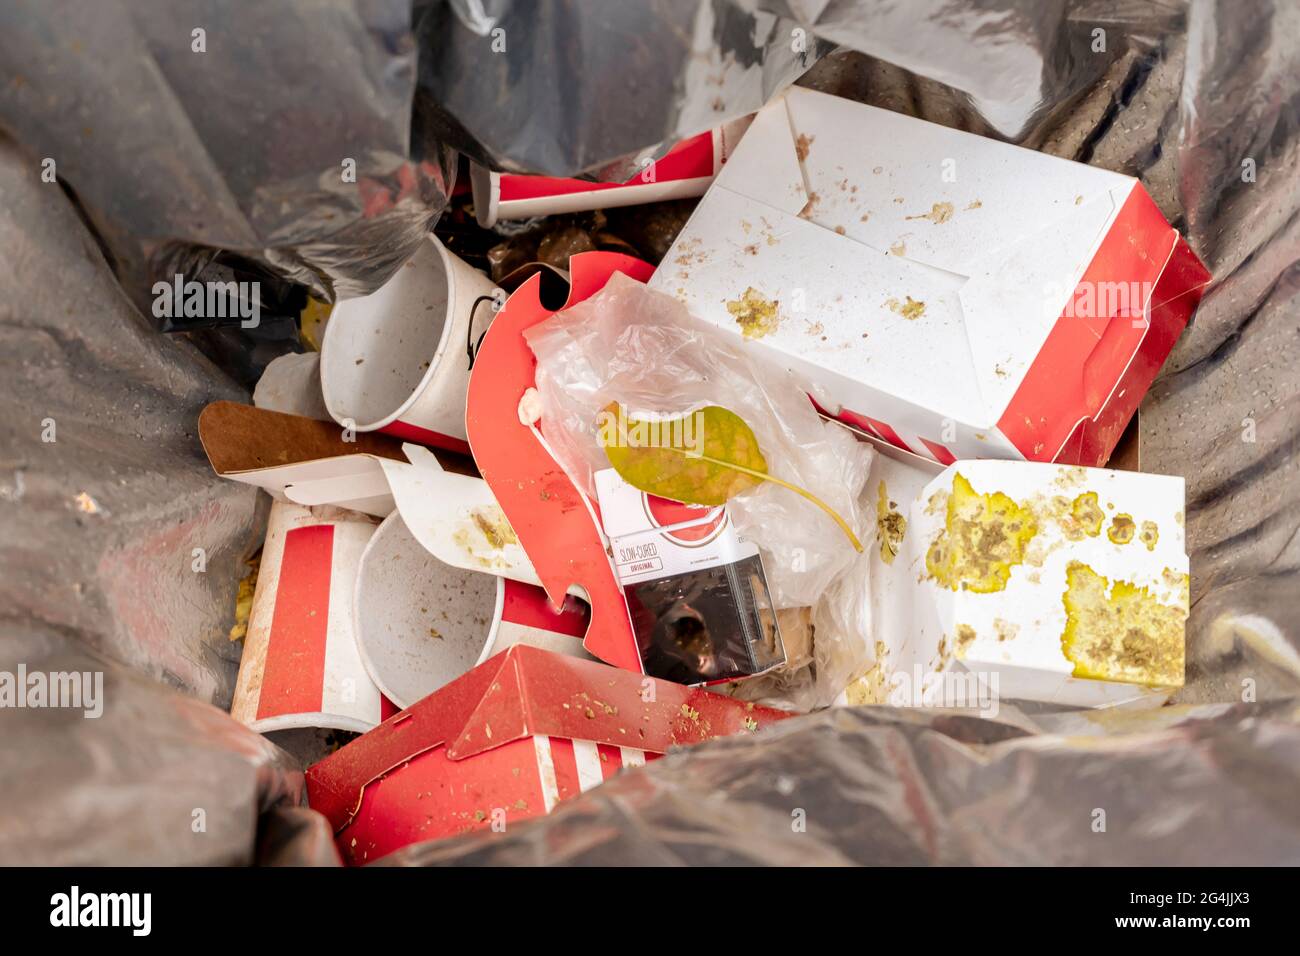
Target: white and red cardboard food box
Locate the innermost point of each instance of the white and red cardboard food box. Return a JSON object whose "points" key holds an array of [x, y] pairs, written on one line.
{"points": [[956, 296], [1000, 580], [507, 742]]}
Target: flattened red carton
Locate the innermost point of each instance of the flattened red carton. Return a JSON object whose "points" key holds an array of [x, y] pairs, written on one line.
{"points": [[506, 742], [683, 172], [953, 295]]}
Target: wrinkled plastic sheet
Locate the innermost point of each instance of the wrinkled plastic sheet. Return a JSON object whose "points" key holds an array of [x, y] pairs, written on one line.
{"points": [[288, 138], [1200, 101], [589, 86], [119, 556], [885, 787]]}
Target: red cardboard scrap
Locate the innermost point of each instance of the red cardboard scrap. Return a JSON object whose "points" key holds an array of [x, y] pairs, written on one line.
{"points": [[683, 172], [506, 742], [551, 518]]}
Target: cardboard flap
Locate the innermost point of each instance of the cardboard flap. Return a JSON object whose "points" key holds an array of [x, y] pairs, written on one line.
{"points": [[455, 518], [241, 438], [551, 518], [1095, 339], [304, 460], [768, 155], [1015, 295], [338, 782], [539, 693], [829, 291], [948, 197]]}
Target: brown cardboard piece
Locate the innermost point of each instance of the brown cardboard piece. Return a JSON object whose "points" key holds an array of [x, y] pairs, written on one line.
{"points": [[241, 438]]}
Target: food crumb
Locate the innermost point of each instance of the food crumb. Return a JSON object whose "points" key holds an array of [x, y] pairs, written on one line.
{"points": [[939, 213], [910, 310]]}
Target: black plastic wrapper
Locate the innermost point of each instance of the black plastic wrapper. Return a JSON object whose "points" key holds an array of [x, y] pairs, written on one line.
{"points": [[707, 624], [98, 529]]}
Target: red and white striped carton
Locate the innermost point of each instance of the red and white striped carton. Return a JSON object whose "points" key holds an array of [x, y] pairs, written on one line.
{"points": [[685, 171], [397, 360], [956, 296], [506, 742], [300, 666]]}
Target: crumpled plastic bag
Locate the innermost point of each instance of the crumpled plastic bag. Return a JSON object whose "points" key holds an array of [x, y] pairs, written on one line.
{"points": [[886, 786], [632, 345], [641, 348], [593, 87]]}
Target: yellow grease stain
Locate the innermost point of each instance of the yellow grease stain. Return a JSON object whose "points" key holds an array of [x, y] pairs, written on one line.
{"points": [[755, 314], [984, 536], [1149, 535], [1121, 633], [492, 522], [1087, 517], [939, 213], [891, 526], [493, 529], [1121, 529]]}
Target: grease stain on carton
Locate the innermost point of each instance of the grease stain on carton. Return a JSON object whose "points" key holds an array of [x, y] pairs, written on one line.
{"points": [[984, 536], [1149, 535], [939, 213], [891, 526], [910, 310], [484, 535], [1085, 517], [1121, 529], [1121, 632]]}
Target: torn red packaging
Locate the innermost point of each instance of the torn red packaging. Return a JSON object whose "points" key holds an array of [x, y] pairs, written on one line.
{"points": [[683, 172], [506, 742]]}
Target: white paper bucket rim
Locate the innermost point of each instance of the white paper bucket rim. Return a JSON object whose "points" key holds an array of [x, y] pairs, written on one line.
{"points": [[332, 371], [311, 721], [378, 670]]}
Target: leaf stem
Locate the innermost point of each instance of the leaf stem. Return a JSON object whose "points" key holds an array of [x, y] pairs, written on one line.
{"points": [[844, 525]]}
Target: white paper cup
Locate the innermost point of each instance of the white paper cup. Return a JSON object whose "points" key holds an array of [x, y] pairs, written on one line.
{"points": [[395, 361], [421, 623]]}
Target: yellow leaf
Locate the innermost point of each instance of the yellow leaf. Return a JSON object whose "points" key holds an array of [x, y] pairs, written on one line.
{"points": [[705, 457]]}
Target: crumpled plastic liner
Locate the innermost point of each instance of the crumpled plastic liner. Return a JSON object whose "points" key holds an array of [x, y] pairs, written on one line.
{"points": [[641, 348], [175, 153], [158, 778], [241, 147], [1188, 94], [1208, 786], [589, 86], [120, 553], [113, 527], [636, 77]]}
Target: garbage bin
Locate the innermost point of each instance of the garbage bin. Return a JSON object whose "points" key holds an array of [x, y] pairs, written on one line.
{"points": [[315, 144]]}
